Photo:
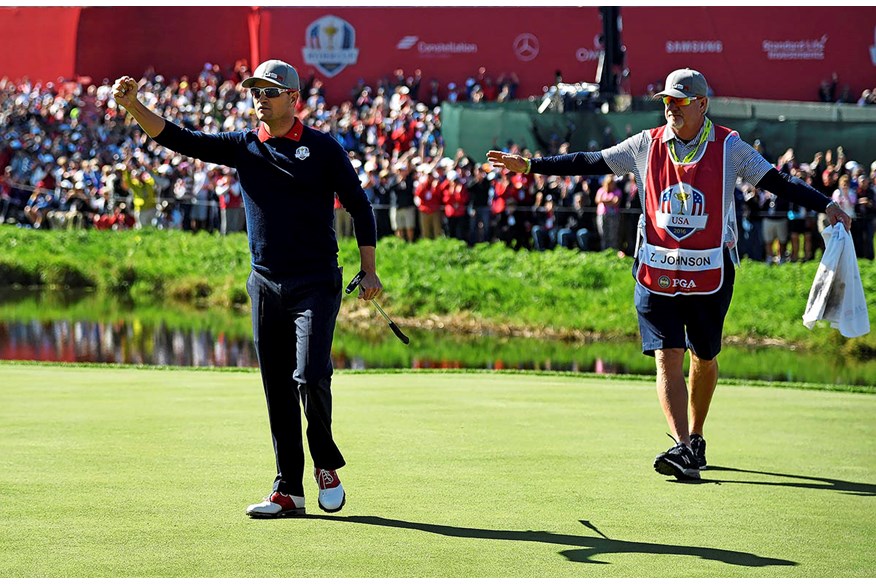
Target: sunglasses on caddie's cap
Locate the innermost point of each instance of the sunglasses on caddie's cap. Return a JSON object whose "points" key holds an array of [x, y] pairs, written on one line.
{"points": [[281, 74], [684, 84]]}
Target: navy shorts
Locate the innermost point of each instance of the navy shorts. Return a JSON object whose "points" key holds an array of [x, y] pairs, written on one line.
{"points": [[694, 322]]}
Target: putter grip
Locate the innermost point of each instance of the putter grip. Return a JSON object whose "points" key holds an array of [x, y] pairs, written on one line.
{"points": [[354, 282], [399, 334]]}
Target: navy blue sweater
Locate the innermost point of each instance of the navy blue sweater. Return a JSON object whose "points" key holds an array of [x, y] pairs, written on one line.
{"points": [[288, 185]]}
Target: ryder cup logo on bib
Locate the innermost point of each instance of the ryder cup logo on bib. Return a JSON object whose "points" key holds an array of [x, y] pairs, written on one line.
{"points": [[302, 153], [682, 211]]}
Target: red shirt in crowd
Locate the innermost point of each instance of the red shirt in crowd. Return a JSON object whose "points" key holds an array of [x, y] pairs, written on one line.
{"points": [[402, 137], [430, 195], [116, 220], [455, 200], [504, 191]]}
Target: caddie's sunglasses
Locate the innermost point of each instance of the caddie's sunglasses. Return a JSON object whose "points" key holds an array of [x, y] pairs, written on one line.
{"points": [[270, 92], [679, 101]]}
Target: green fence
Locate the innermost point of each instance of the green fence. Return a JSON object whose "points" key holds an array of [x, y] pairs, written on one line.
{"points": [[808, 128]]}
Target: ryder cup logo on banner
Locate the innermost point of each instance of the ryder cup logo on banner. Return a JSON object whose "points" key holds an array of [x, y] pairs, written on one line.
{"points": [[330, 45], [682, 211]]}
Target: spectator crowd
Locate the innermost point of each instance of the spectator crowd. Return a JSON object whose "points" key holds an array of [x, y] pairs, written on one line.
{"points": [[70, 159]]}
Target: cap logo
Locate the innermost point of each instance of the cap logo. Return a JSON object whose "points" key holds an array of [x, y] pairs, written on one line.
{"points": [[272, 75], [679, 86]]}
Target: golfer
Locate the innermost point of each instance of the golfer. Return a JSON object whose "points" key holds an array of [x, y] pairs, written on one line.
{"points": [[686, 172], [289, 174]]}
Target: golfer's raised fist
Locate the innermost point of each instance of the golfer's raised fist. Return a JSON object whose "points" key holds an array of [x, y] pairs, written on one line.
{"points": [[125, 91], [512, 162]]}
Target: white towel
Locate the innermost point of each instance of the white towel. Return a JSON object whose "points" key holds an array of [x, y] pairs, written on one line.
{"points": [[837, 294]]}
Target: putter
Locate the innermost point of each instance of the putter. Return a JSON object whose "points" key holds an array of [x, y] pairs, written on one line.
{"points": [[352, 286]]}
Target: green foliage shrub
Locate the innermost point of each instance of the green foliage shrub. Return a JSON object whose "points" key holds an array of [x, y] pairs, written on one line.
{"points": [[556, 293]]}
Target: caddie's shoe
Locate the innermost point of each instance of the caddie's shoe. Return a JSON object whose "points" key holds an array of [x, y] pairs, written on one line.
{"points": [[277, 504], [678, 461], [331, 493], [698, 445]]}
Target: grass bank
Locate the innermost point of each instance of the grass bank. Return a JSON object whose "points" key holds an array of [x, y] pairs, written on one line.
{"points": [[438, 283]]}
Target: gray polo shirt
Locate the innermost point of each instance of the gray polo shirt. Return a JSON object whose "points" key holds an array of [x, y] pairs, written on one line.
{"points": [[631, 155]]}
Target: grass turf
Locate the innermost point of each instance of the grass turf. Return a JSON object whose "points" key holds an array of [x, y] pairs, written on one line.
{"points": [[125, 472]]}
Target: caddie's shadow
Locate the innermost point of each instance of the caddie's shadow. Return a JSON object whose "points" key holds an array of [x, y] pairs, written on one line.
{"points": [[584, 547], [818, 483]]}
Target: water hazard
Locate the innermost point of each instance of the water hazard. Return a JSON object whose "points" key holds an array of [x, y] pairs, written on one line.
{"points": [[89, 329]]}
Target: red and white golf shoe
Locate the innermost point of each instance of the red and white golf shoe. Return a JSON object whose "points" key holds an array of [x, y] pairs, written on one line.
{"points": [[277, 504], [331, 493]]}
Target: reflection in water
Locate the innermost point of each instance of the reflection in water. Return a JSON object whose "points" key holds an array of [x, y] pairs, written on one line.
{"points": [[121, 342], [598, 365], [133, 342], [222, 340]]}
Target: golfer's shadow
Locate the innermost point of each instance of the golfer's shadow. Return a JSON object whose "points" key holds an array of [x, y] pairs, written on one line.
{"points": [[584, 547], [818, 483]]}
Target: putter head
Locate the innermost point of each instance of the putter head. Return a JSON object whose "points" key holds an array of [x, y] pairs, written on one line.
{"points": [[401, 336]]}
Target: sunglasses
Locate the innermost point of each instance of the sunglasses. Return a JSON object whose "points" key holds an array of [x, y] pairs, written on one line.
{"points": [[270, 92], [679, 101]]}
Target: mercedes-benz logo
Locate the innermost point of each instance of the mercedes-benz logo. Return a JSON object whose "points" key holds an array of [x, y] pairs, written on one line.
{"points": [[526, 46]]}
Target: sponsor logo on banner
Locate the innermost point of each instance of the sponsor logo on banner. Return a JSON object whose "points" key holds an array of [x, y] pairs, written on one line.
{"points": [[330, 45], [407, 42], [805, 50], [526, 46], [436, 49], [584, 54], [695, 47], [682, 211]]}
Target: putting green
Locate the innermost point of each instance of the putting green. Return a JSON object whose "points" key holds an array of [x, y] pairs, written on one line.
{"points": [[123, 472]]}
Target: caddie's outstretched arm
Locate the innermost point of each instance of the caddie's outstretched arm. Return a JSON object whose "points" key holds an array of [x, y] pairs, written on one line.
{"points": [[578, 163], [800, 193]]}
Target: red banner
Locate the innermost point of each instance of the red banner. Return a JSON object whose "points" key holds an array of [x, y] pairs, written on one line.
{"points": [[343, 45], [759, 53], [38, 43], [754, 52], [176, 41]]}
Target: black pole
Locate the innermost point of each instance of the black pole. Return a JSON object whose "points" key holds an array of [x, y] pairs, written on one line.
{"points": [[612, 57]]}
